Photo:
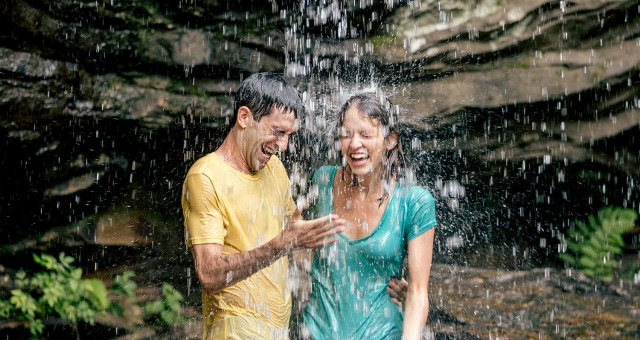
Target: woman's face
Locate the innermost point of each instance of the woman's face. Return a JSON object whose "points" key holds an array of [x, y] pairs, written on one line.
{"points": [[362, 142]]}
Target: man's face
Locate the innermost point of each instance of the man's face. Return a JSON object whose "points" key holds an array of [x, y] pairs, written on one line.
{"points": [[267, 137]]}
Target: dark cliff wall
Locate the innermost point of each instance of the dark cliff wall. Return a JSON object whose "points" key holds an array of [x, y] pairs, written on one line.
{"points": [[522, 116]]}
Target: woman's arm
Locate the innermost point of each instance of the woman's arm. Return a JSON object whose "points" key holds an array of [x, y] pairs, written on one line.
{"points": [[416, 308]]}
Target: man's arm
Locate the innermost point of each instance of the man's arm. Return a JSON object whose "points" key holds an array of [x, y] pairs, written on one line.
{"points": [[217, 270], [397, 289]]}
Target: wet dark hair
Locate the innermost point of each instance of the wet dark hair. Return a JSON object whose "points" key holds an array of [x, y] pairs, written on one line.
{"points": [[262, 92], [378, 107]]}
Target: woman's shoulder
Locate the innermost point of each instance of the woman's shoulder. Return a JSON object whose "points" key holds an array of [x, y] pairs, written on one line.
{"points": [[324, 174], [327, 168], [415, 193]]}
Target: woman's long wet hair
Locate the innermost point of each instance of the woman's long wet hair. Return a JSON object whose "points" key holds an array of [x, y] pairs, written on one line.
{"points": [[377, 107]]}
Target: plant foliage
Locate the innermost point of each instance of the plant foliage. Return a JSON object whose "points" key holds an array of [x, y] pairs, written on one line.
{"points": [[594, 245], [168, 310], [59, 291]]}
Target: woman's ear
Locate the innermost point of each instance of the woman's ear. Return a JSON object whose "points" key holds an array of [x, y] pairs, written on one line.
{"points": [[391, 141], [245, 117]]}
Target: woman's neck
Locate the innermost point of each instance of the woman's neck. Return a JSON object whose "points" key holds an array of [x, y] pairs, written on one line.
{"points": [[367, 185]]}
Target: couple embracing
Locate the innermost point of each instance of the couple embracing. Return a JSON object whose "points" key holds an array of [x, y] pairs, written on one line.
{"points": [[242, 225]]}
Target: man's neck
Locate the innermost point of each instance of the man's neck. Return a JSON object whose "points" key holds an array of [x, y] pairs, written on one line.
{"points": [[231, 154]]}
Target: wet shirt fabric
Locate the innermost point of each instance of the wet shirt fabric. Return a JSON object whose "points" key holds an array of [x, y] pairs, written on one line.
{"points": [[349, 278], [241, 212]]}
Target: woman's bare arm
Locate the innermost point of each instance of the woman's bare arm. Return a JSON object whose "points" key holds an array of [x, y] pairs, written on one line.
{"points": [[416, 310]]}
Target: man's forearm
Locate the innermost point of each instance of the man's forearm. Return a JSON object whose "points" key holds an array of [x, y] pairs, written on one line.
{"points": [[217, 271]]}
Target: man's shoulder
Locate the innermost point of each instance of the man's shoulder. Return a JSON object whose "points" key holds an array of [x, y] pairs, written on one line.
{"points": [[209, 163]]}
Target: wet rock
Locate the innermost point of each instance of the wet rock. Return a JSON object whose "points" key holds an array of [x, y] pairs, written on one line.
{"points": [[528, 303]]}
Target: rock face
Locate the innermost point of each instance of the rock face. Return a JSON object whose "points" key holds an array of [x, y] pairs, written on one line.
{"points": [[472, 303], [521, 116], [530, 101]]}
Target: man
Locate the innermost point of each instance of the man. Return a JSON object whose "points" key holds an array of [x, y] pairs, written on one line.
{"points": [[241, 221]]}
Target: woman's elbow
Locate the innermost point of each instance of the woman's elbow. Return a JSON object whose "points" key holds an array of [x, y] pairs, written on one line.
{"points": [[420, 295]]}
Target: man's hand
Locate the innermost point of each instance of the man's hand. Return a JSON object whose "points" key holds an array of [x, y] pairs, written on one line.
{"points": [[312, 233], [397, 288], [213, 266]]}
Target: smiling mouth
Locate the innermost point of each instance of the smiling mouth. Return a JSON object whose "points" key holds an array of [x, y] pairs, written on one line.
{"points": [[267, 153], [359, 157]]}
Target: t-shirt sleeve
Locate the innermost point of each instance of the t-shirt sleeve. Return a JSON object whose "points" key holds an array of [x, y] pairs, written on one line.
{"points": [[280, 173], [321, 189], [290, 204], [203, 221], [321, 177], [421, 213]]}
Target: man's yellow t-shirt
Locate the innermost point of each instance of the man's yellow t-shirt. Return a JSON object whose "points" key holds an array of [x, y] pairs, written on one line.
{"points": [[241, 212]]}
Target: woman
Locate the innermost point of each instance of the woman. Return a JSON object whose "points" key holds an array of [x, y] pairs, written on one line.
{"points": [[388, 221]]}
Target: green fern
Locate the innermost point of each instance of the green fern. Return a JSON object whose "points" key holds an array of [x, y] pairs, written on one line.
{"points": [[595, 245]]}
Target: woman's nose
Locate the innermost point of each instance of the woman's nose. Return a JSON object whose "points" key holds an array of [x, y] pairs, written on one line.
{"points": [[356, 142]]}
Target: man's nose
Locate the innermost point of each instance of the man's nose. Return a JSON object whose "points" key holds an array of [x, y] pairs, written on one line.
{"points": [[282, 143]]}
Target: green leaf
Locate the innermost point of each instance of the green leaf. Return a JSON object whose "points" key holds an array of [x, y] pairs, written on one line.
{"points": [[616, 240], [76, 273], [51, 294], [592, 243], [574, 246], [36, 327], [116, 309], [5, 309], [606, 277], [24, 302], [153, 307], [590, 252], [587, 263], [168, 317], [582, 230], [124, 284], [568, 259], [98, 293]]}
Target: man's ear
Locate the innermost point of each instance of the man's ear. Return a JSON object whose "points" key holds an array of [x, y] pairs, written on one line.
{"points": [[392, 140], [245, 117]]}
